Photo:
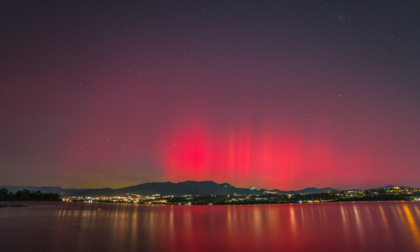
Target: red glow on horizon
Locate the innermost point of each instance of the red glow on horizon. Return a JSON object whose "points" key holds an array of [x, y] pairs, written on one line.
{"points": [[238, 156]]}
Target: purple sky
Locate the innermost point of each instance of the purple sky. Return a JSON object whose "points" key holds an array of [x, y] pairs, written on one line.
{"points": [[272, 94]]}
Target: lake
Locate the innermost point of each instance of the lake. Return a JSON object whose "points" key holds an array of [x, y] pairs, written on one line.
{"points": [[359, 226]]}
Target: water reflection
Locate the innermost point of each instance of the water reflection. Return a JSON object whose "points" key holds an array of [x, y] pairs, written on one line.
{"points": [[363, 226], [414, 228]]}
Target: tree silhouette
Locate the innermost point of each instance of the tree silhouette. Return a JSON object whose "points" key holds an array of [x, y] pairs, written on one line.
{"points": [[25, 195]]}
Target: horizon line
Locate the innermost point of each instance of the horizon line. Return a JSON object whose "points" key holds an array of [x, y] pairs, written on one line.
{"points": [[260, 188]]}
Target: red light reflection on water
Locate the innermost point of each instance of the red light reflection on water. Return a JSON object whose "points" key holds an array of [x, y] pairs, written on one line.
{"points": [[362, 226]]}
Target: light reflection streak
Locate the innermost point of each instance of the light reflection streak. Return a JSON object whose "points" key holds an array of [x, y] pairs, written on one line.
{"points": [[385, 222], [258, 222], [187, 225], [302, 214], [345, 222], [359, 225], [322, 216], [171, 228], [412, 224], [402, 221], [229, 222], [134, 227], [293, 223], [368, 217]]}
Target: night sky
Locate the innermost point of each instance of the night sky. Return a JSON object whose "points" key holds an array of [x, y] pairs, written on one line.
{"points": [[274, 94]]}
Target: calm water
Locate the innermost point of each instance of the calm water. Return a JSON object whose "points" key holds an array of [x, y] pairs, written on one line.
{"points": [[363, 226]]}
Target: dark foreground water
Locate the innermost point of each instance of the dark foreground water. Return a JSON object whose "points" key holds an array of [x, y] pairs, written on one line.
{"points": [[362, 226]]}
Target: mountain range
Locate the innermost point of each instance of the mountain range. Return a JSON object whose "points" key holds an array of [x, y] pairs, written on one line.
{"points": [[168, 188]]}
